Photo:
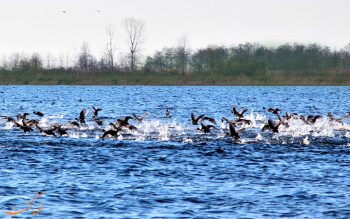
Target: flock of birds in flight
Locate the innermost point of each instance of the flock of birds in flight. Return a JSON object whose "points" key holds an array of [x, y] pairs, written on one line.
{"points": [[27, 125]]}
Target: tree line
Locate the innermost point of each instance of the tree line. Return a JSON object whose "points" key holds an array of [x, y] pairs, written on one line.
{"points": [[248, 59]]}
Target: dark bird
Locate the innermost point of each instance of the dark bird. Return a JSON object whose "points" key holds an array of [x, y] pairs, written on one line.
{"points": [[209, 119], [8, 118], [38, 113], [141, 118], [194, 120], [167, 114], [95, 112], [131, 127], [238, 121], [288, 116], [73, 123], [233, 133], [240, 113], [113, 133], [332, 118], [49, 132], [271, 126], [23, 116], [99, 122], [118, 128], [310, 119], [25, 128], [59, 129], [124, 122], [82, 116], [32, 122], [206, 128], [274, 111]]}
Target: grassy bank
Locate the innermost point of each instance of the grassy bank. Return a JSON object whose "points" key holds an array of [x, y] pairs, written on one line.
{"points": [[333, 77]]}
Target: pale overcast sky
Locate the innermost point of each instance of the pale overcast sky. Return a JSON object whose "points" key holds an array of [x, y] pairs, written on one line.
{"points": [[41, 26]]}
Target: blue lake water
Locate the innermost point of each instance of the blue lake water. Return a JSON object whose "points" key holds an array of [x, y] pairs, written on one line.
{"points": [[168, 168]]}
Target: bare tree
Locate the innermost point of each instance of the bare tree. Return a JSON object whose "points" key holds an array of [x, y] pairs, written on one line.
{"points": [[50, 60], [15, 59], [36, 61], [61, 60], [135, 29], [86, 61], [183, 54], [5, 64], [110, 47]]}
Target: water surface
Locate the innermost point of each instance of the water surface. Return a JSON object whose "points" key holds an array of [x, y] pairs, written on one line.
{"points": [[168, 168]]}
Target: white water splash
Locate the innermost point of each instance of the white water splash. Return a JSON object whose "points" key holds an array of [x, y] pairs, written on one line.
{"points": [[306, 141]]}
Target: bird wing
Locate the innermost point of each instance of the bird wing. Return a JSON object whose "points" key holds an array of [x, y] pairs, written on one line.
{"points": [[224, 118], [126, 119], [131, 127], [200, 117], [279, 123], [270, 123], [211, 126], [82, 114], [193, 117], [243, 111], [344, 117], [239, 131], [209, 119], [266, 127], [232, 129], [135, 116], [144, 115], [234, 109]]}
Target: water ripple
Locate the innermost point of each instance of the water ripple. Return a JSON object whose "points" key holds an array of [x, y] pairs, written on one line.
{"points": [[168, 169]]}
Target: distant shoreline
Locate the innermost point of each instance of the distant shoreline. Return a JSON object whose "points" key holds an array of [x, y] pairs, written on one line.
{"points": [[334, 77]]}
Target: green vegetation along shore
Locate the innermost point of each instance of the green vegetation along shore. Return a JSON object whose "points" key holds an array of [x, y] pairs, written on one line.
{"points": [[334, 77], [245, 64]]}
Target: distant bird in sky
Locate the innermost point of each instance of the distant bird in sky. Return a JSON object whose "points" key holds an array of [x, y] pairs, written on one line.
{"points": [[98, 11], [64, 11]]}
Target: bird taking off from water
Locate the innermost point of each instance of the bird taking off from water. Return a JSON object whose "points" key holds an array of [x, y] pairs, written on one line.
{"points": [[238, 114], [141, 118], [95, 112]]}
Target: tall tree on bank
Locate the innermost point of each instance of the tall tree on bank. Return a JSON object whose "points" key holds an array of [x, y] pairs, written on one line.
{"points": [[85, 60], [183, 54], [110, 47], [136, 30]]}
